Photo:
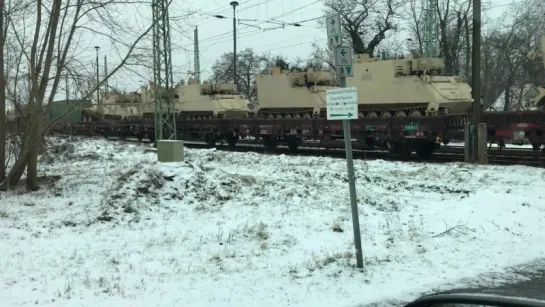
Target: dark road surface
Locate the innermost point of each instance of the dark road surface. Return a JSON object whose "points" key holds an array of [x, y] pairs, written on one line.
{"points": [[532, 288], [524, 281]]}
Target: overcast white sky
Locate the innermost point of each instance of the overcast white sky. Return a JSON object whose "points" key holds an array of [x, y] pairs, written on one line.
{"points": [[216, 37]]}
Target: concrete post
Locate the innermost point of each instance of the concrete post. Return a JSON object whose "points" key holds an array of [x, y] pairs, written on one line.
{"points": [[482, 133], [468, 141]]}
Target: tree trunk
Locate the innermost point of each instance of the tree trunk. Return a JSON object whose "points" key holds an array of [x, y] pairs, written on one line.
{"points": [[507, 99], [33, 145], [16, 171], [467, 67], [357, 43], [3, 130], [32, 168]]}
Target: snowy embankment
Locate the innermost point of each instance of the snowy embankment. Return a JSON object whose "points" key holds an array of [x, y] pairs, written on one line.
{"points": [[111, 227]]}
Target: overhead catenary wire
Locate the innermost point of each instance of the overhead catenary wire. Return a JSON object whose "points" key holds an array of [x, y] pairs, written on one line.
{"points": [[323, 15], [260, 22], [218, 38], [212, 15], [256, 32]]}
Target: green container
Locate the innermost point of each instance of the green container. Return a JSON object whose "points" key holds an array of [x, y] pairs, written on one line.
{"points": [[71, 109]]}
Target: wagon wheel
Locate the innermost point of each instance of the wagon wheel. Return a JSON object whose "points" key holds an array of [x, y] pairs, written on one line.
{"points": [[210, 139], [425, 150], [232, 140]]}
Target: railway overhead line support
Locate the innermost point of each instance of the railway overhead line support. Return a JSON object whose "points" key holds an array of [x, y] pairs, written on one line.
{"points": [[165, 120]]}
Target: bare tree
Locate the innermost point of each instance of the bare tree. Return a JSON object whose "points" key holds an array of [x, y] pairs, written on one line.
{"points": [[249, 66], [49, 47], [366, 20], [321, 58], [453, 31], [508, 71]]}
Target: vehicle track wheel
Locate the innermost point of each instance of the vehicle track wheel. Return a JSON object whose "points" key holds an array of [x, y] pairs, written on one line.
{"points": [[415, 113]]}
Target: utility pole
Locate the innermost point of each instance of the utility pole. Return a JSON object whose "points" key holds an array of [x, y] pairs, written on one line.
{"points": [[430, 28], [165, 119], [197, 67], [107, 88], [476, 77], [234, 4], [98, 87], [342, 104]]}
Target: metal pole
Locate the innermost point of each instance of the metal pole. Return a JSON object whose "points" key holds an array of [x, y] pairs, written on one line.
{"points": [[98, 77], [352, 186], [66, 84], [106, 74], [234, 4], [197, 56], [476, 75]]}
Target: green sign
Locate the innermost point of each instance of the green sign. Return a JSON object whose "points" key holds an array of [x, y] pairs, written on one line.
{"points": [[411, 127]]}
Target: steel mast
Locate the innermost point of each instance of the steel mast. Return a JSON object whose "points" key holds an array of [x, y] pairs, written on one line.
{"points": [[163, 91], [430, 28]]}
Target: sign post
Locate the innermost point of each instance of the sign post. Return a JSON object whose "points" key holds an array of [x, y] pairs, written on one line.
{"points": [[342, 104], [334, 37]]}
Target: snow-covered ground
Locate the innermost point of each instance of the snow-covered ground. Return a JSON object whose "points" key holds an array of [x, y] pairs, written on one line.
{"points": [[495, 145], [112, 227]]}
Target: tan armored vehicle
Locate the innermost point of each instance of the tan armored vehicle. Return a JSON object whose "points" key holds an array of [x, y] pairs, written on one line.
{"points": [[117, 105], [199, 101], [203, 101], [407, 86], [284, 94]]}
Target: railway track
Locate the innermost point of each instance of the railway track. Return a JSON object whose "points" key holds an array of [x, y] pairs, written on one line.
{"points": [[511, 157], [508, 156]]}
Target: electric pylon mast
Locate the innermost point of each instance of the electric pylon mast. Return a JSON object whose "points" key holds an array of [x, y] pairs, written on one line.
{"points": [[163, 92], [430, 28]]}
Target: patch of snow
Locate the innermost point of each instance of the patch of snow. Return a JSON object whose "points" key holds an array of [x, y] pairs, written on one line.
{"points": [[113, 227], [494, 145]]}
